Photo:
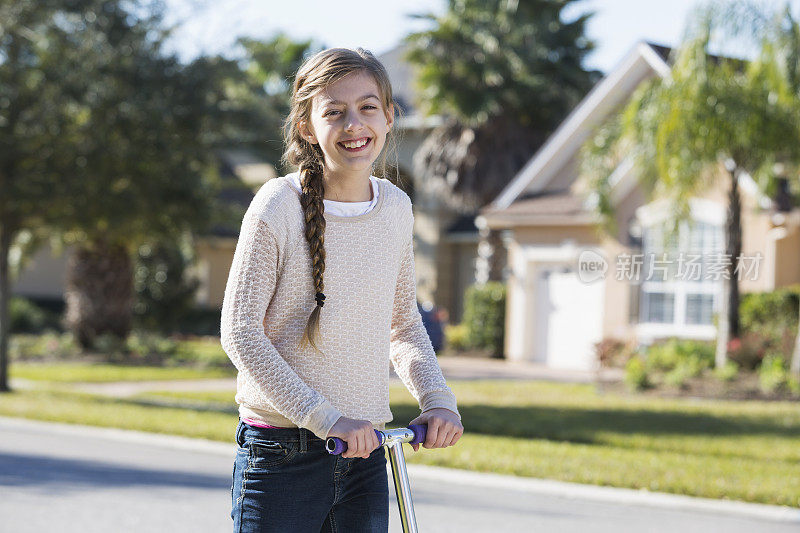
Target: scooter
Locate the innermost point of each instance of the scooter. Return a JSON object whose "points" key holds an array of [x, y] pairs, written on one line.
{"points": [[393, 439]]}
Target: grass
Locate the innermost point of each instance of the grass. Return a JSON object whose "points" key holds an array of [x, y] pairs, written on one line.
{"points": [[102, 373], [746, 451]]}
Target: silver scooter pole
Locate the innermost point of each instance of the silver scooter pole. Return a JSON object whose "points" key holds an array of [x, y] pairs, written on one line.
{"points": [[393, 439]]}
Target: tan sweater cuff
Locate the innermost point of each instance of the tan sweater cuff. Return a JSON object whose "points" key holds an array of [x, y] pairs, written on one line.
{"points": [[321, 419], [439, 399]]}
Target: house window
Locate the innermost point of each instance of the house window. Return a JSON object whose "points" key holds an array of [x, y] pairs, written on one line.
{"points": [[660, 307], [699, 308], [677, 288]]}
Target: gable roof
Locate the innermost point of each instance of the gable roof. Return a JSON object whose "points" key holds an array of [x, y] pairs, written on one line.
{"points": [[642, 62]]}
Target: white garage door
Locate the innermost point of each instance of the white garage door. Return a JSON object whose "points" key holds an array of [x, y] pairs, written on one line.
{"points": [[569, 318]]}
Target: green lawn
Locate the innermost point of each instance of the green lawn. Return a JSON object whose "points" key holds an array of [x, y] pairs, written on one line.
{"points": [[102, 373], [719, 449]]}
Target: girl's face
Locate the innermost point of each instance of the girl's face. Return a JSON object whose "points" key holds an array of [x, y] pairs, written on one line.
{"points": [[349, 122]]}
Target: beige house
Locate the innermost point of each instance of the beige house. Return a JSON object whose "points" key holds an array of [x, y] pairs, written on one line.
{"points": [[571, 285]]}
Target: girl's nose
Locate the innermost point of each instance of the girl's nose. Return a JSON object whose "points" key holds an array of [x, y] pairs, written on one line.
{"points": [[352, 122]]}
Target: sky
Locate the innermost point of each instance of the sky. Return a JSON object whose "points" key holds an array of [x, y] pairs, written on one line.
{"points": [[212, 27]]}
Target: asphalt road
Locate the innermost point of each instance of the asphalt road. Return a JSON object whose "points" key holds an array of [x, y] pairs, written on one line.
{"points": [[56, 478]]}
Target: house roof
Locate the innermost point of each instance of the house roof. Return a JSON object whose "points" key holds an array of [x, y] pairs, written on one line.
{"points": [[560, 207], [643, 61]]}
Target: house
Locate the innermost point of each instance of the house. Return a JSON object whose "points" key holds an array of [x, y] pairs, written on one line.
{"points": [[571, 285]]}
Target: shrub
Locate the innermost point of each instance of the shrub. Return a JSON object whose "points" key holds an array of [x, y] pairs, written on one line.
{"points": [[794, 384], [678, 376], [164, 285], [613, 352], [668, 355], [45, 346], [29, 316], [636, 374], [770, 313], [456, 336], [772, 316], [484, 316], [748, 350], [727, 372], [772, 374]]}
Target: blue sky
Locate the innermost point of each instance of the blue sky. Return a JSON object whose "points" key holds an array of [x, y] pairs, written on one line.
{"points": [[212, 27]]}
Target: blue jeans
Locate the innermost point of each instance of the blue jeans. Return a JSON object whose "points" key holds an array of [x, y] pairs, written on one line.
{"points": [[284, 480]]}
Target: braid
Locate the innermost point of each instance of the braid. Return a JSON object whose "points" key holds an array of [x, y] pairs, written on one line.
{"points": [[313, 191]]}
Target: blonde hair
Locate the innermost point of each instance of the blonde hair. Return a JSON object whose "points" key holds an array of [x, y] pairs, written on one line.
{"points": [[314, 75]]}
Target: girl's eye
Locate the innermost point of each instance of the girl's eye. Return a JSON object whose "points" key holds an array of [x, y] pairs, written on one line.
{"points": [[331, 112]]}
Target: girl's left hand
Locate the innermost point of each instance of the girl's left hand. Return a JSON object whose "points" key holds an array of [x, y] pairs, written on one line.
{"points": [[444, 428]]}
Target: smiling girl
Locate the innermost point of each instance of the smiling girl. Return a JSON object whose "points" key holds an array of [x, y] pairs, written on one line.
{"points": [[331, 234]]}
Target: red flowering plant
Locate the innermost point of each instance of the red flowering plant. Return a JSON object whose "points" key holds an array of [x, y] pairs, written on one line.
{"points": [[748, 350]]}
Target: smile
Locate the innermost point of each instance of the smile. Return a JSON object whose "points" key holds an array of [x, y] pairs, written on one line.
{"points": [[357, 145]]}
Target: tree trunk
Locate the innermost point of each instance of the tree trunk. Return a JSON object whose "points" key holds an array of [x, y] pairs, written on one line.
{"points": [[728, 324], [491, 258], [5, 299], [99, 292], [795, 365]]}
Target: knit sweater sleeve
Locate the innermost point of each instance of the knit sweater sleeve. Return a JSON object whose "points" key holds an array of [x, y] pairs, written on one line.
{"points": [[251, 284], [411, 351]]}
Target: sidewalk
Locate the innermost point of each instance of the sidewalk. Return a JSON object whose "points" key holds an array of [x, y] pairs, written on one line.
{"points": [[483, 368]]}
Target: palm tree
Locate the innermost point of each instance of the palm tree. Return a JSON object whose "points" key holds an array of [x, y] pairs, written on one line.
{"points": [[505, 73]]}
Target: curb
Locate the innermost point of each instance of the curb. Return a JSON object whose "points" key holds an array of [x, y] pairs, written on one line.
{"points": [[564, 489], [481, 480]]}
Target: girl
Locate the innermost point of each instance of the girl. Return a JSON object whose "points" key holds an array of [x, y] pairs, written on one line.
{"points": [[331, 235]]}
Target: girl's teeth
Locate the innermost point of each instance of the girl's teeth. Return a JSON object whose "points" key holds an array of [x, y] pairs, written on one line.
{"points": [[357, 144]]}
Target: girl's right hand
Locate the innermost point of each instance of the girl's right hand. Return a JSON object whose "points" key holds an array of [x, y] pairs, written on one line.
{"points": [[358, 434]]}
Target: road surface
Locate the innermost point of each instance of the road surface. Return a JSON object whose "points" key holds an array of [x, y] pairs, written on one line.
{"points": [[74, 479]]}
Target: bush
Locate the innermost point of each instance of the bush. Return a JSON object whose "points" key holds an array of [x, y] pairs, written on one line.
{"points": [[667, 355], [748, 350], [727, 372], [456, 336], [613, 352], [794, 384], [636, 374], [772, 317], [678, 376], [43, 347], [164, 286], [28, 316], [770, 313], [773, 375], [484, 316]]}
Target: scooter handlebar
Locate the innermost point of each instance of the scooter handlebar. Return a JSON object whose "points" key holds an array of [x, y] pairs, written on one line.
{"points": [[336, 446]]}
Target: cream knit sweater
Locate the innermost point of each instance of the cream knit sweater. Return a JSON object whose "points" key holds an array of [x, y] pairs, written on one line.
{"points": [[370, 316]]}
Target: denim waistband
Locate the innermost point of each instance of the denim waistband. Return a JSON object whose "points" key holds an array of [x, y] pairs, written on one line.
{"points": [[301, 435]]}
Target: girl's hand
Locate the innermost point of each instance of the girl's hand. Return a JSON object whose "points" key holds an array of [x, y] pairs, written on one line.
{"points": [[444, 428], [358, 434]]}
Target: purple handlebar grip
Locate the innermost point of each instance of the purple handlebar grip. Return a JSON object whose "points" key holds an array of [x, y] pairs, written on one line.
{"points": [[420, 430], [335, 445]]}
